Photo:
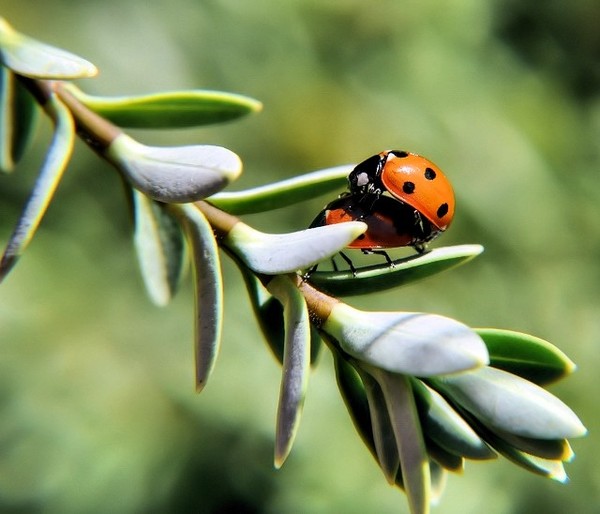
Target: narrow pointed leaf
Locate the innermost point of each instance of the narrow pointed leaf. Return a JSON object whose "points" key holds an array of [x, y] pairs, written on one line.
{"points": [[529, 357], [380, 277], [355, 398], [275, 254], [6, 119], [208, 290], [551, 449], [446, 427], [174, 174], [296, 364], [548, 468], [268, 311], [448, 460], [26, 116], [404, 417], [170, 109], [284, 193], [50, 174], [383, 434], [406, 342], [439, 478], [32, 58], [512, 404], [160, 248]]}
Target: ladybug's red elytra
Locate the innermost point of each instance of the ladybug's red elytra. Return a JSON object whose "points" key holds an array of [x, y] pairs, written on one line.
{"points": [[410, 178]]}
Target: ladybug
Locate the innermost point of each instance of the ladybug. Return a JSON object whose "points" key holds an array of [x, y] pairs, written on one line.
{"points": [[411, 179]]}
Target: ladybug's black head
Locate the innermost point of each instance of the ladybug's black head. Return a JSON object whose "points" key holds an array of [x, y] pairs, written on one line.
{"points": [[364, 178]]}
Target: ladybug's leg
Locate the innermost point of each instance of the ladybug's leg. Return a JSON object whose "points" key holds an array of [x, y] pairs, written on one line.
{"points": [[349, 262], [421, 248], [381, 252], [309, 272], [334, 264]]}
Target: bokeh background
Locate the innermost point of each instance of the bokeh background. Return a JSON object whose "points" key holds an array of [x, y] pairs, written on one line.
{"points": [[97, 405]]}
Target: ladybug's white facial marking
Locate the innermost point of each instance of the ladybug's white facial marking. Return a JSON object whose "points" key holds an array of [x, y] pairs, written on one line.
{"points": [[362, 179]]}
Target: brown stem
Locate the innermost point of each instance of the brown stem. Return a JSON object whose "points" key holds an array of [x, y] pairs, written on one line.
{"points": [[95, 130], [221, 221], [319, 304]]}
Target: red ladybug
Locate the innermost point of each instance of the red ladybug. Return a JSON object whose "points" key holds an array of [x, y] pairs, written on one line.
{"points": [[410, 178]]}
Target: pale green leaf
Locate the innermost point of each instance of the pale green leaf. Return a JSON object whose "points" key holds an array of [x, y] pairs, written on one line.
{"points": [[174, 174], [512, 404], [208, 290], [406, 342], [32, 58], [296, 360], [414, 461], [446, 427], [274, 254], [55, 162], [159, 246]]}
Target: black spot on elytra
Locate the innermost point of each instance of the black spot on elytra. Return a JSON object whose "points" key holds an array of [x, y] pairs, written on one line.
{"points": [[442, 210], [399, 153], [429, 174], [408, 187]]}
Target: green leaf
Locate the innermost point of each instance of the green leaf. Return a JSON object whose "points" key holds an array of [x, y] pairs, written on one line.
{"points": [[6, 119], [511, 404], [383, 435], [267, 309], [448, 460], [208, 288], [355, 398], [283, 193], [26, 118], [274, 254], [446, 427], [48, 179], [373, 279], [174, 174], [527, 356], [18, 119], [548, 468], [29, 57], [296, 359], [170, 109], [551, 449], [159, 246]]}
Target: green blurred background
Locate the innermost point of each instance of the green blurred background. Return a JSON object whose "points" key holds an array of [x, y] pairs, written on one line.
{"points": [[97, 405]]}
